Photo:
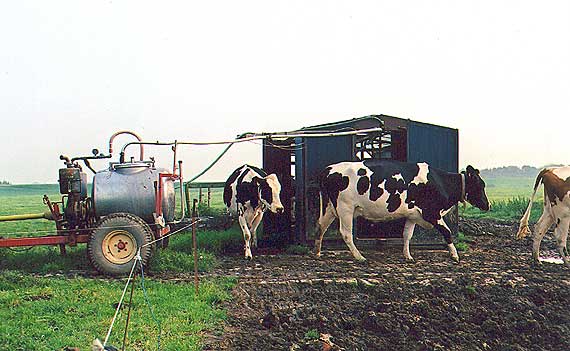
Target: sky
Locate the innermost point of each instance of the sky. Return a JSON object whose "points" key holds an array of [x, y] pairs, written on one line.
{"points": [[74, 72]]}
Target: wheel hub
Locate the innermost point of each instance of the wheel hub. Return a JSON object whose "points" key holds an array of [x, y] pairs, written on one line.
{"points": [[119, 246]]}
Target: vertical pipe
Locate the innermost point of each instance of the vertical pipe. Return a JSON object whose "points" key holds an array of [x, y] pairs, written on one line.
{"points": [[200, 196], [174, 149], [194, 245], [182, 199], [187, 197]]}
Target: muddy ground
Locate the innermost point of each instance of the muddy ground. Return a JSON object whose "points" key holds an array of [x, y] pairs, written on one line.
{"points": [[492, 300]]}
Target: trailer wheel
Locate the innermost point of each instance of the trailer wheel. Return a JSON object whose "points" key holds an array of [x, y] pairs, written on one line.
{"points": [[115, 242]]}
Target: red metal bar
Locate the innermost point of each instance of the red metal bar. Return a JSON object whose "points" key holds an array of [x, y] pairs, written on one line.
{"points": [[158, 204], [42, 240]]}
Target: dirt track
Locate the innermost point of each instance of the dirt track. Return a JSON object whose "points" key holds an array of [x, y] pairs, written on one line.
{"points": [[492, 300]]}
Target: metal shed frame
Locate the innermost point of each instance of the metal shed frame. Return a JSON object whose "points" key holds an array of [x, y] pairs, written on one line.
{"points": [[297, 162]]}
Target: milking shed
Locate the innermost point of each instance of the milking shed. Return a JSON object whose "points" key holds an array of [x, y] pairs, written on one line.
{"points": [[298, 161]]}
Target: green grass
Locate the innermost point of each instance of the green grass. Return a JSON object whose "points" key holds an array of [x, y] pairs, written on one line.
{"points": [[297, 250], [509, 197], [51, 312], [312, 334], [462, 242], [26, 199], [505, 188]]}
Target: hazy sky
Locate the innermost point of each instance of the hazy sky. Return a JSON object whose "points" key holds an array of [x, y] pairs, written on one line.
{"points": [[74, 72]]}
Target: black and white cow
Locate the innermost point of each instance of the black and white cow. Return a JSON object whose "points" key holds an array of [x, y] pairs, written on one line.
{"points": [[248, 193], [383, 190]]}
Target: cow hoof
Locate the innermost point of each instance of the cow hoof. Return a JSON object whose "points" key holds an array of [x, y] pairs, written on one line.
{"points": [[535, 263], [248, 258], [361, 260], [455, 260], [318, 255], [410, 260]]}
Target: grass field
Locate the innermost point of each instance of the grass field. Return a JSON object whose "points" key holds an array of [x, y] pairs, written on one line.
{"points": [[509, 198], [43, 311]]}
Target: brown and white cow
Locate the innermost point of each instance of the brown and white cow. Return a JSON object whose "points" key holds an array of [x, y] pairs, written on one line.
{"points": [[556, 181], [248, 193], [383, 190]]}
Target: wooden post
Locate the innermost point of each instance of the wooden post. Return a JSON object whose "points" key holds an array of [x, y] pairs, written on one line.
{"points": [[194, 245], [209, 196], [200, 196], [129, 312]]}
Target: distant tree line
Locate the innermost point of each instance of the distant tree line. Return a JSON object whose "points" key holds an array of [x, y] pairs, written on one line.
{"points": [[513, 171], [4, 182]]}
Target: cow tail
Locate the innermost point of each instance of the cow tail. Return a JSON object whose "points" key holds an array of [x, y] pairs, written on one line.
{"points": [[323, 194], [524, 230]]}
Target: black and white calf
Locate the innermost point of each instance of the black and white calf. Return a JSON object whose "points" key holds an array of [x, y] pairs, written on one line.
{"points": [[248, 193], [383, 190]]}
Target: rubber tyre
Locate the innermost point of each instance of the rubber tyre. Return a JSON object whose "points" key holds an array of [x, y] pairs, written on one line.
{"points": [[115, 241]]}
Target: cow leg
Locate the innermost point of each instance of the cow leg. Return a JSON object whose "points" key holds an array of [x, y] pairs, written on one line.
{"points": [[323, 224], [346, 232], [254, 224], [408, 232], [246, 236], [561, 235], [442, 227], [540, 229]]}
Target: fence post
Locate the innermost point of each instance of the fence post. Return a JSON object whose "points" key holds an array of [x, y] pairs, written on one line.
{"points": [[194, 245], [209, 196]]}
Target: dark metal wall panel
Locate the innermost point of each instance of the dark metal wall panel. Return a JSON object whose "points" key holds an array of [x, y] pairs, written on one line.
{"points": [[277, 159], [435, 145], [438, 146], [316, 155], [300, 222]]}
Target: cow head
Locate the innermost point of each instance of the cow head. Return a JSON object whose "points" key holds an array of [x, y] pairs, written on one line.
{"points": [[475, 189], [269, 191]]}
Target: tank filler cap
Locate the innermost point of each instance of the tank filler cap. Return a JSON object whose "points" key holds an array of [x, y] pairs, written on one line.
{"points": [[134, 167]]}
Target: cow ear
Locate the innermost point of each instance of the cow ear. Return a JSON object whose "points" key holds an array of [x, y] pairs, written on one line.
{"points": [[256, 181], [272, 176]]}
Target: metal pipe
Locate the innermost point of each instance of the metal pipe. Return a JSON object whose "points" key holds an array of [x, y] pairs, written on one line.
{"points": [[284, 135], [21, 217], [174, 148], [182, 199], [126, 132], [42, 240]]}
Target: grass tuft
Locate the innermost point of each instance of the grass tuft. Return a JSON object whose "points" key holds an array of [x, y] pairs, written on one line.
{"points": [[170, 261], [312, 334], [297, 250]]}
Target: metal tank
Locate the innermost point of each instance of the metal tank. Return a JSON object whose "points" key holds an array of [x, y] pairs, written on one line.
{"points": [[130, 187]]}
